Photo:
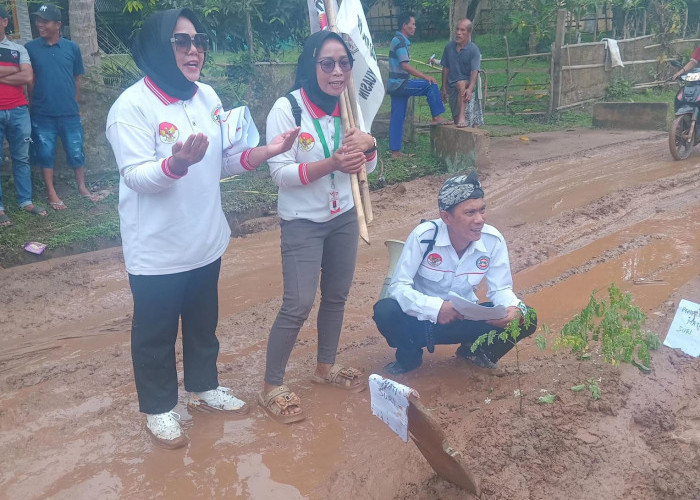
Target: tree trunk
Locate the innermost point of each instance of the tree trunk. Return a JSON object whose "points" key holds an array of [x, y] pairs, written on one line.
{"points": [[532, 42], [459, 12], [83, 30], [249, 34], [22, 23]]}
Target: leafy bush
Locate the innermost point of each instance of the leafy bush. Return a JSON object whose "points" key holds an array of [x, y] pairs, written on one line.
{"points": [[616, 324], [619, 88]]}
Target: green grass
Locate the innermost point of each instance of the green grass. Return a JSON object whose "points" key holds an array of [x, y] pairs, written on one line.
{"points": [[86, 225], [80, 225], [394, 170]]}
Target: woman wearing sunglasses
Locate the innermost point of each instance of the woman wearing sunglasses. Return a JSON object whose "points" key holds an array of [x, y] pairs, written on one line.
{"points": [[319, 223], [166, 134]]}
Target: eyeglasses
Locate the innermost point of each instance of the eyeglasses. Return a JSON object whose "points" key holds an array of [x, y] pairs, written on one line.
{"points": [[183, 42], [328, 64]]}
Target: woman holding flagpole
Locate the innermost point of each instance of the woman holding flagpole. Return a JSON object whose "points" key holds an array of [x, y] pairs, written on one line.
{"points": [[318, 219]]}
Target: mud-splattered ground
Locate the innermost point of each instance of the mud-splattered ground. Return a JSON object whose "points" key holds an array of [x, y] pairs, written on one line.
{"points": [[580, 209]]}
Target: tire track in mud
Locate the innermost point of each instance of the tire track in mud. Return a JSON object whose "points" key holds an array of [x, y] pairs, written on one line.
{"points": [[637, 242], [611, 213]]}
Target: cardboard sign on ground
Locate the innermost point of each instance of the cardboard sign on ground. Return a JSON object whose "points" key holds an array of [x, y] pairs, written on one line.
{"points": [[431, 442]]}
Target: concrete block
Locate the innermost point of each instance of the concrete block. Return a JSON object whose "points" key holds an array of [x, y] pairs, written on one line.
{"points": [[630, 115], [461, 149]]}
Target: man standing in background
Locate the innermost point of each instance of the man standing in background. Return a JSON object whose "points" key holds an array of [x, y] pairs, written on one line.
{"points": [[15, 73], [57, 65], [461, 61]]}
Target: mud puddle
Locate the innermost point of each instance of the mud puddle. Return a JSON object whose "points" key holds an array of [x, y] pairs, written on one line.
{"points": [[613, 211]]}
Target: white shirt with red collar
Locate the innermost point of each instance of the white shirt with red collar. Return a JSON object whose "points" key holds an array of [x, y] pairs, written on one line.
{"points": [[169, 223], [298, 198], [420, 285]]}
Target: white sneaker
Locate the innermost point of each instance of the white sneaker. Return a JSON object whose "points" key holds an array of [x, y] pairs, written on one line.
{"points": [[165, 430], [220, 399]]}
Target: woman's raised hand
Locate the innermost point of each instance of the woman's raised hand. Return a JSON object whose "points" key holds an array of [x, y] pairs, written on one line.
{"points": [[282, 142], [188, 153], [356, 140], [349, 162]]}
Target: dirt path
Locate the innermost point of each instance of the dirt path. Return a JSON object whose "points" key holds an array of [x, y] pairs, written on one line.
{"points": [[579, 209]]}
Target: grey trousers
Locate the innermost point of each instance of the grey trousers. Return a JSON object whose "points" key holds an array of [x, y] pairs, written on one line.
{"points": [[309, 250]]}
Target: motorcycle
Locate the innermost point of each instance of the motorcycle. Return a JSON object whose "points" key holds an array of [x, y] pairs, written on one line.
{"points": [[685, 133]]}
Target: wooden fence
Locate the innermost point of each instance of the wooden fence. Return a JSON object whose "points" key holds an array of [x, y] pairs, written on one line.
{"points": [[582, 73]]}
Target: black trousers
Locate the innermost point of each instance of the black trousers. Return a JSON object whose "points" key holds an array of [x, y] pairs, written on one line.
{"points": [[407, 333], [159, 303]]}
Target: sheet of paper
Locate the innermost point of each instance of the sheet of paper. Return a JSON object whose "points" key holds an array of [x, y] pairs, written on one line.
{"points": [[390, 403], [684, 333], [473, 311]]}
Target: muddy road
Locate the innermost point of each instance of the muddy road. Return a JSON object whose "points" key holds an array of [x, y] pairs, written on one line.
{"points": [[579, 209]]}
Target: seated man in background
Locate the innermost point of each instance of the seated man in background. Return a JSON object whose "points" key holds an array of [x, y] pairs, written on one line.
{"points": [[461, 61], [452, 253], [401, 86]]}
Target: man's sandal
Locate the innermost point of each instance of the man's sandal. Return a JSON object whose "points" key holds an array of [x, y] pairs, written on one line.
{"points": [[344, 378], [278, 400]]}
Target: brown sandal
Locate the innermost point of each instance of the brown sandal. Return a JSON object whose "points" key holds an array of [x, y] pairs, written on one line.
{"points": [[279, 399], [342, 378]]}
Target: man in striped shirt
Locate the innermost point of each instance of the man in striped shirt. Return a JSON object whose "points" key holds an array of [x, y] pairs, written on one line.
{"points": [[400, 85], [15, 74]]}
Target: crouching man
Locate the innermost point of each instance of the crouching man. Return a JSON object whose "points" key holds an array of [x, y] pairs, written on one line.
{"points": [[450, 254]]}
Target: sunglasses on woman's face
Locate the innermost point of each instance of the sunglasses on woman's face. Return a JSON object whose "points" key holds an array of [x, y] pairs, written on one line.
{"points": [[183, 42], [328, 64]]}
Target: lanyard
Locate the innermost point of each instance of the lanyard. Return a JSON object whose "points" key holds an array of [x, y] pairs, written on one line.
{"points": [[322, 138]]}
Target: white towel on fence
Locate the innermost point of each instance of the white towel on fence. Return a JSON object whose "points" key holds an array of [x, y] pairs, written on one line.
{"points": [[613, 59]]}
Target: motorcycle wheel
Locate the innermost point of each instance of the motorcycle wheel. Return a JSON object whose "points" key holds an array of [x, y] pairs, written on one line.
{"points": [[680, 147]]}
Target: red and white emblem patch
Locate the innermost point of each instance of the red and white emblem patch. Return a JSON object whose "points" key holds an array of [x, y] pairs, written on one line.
{"points": [[483, 262], [434, 259], [168, 133], [306, 141]]}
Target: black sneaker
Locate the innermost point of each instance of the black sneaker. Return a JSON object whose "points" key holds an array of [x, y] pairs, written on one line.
{"points": [[396, 368], [478, 358]]}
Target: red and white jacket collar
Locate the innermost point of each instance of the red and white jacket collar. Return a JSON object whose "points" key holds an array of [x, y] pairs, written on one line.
{"points": [[314, 110], [160, 94]]}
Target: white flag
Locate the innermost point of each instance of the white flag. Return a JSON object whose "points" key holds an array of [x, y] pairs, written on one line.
{"points": [[317, 15], [368, 82]]}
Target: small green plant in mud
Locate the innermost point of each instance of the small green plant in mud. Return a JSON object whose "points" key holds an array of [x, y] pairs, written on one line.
{"points": [[618, 326], [511, 334], [547, 399], [592, 387]]}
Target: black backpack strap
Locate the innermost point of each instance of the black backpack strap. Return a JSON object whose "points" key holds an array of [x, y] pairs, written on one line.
{"points": [[430, 242], [296, 110]]}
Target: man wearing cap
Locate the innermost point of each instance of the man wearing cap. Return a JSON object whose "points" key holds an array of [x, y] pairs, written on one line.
{"points": [[15, 73], [57, 65], [451, 254]]}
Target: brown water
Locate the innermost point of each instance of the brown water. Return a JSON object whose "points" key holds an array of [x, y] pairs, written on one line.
{"points": [[624, 213]]}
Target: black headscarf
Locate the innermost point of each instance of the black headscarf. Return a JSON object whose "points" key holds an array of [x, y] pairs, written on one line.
{"points": [[306, 70], [154, 54]]}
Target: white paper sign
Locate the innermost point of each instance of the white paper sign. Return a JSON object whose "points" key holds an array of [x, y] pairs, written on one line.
{"points": [[473, 311], [684, 333], [390, 403]]}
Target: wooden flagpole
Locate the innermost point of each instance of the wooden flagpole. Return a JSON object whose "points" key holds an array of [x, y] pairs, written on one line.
{"points": [[347, 115]]}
